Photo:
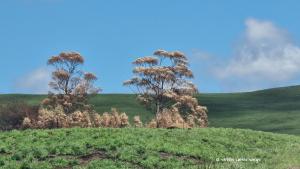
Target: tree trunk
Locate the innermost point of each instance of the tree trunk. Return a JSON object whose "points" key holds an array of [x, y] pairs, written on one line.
{"points": [[157, 112]]}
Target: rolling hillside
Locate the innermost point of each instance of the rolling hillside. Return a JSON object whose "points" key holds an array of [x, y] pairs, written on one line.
{"points": [[275, 110]]}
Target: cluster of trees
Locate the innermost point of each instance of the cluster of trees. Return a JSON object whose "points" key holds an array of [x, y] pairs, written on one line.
{"points": [[161, 83]]}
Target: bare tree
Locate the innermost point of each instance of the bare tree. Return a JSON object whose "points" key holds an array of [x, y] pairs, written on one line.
{"points": [[162, 82], [70, 84]]}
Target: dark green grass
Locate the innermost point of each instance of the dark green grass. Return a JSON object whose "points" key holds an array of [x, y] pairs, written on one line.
{"points": [[274, 110], [147, 148]]}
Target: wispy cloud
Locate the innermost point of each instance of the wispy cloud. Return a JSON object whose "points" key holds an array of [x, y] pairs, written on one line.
{"points": [[265, 56], [35, 82]]}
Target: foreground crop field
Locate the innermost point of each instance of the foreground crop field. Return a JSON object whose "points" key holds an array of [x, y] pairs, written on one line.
{"points": [[275, 110], [147, 148]]}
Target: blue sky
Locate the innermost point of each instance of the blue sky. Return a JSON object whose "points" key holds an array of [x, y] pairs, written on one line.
{"points": [[233, 45]]}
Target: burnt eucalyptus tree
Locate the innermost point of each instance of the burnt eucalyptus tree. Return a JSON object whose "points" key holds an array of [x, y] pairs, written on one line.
{"points": [[71, 85], [162, 82]]}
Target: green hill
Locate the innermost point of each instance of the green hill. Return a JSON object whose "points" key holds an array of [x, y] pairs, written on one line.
{"points": [[274, 110], [148, 148]]}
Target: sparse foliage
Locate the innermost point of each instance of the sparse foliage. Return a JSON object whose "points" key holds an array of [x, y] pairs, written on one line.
{"points": [[71, 85], [162, 84]]}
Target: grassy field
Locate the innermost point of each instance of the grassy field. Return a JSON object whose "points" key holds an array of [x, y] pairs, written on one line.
{"points": [[275, 110], [148, 148]]}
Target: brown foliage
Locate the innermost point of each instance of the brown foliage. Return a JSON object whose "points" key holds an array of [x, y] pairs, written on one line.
{"points": [[152, 124], [162, 84], [195, 115], [27, 123], [90, 76], [80, 119], [97, 120], [169, 118], [114, 119], [56, 118], [72, 57], [124, 120], [137, 121], [105, 120], [146, 60], [71, 86]]}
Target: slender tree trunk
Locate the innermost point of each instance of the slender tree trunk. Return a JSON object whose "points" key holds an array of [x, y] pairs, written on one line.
{"points": [[66, 87], [157, 112]]}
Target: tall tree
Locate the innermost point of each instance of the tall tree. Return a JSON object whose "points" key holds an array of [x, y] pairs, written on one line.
{"points": [[162, 82], [71, 85]]}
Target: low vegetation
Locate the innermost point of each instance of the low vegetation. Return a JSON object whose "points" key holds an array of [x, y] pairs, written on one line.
{"points": [[56, 118], [274, 110], [148, 148], [13, 113]]}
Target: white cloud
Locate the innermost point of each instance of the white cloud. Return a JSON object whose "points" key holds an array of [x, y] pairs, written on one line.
{"points": [[35, 82], [264, 56]]}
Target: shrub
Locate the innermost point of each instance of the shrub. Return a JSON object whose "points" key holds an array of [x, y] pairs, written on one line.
{"points": [[12, 114], [80, 119], [51, 118], [105, 120], [97, 120], [169, 118], [26, 123], [57, 118], [137, 121], [124, 119], [152, 124], [113, 119]]}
